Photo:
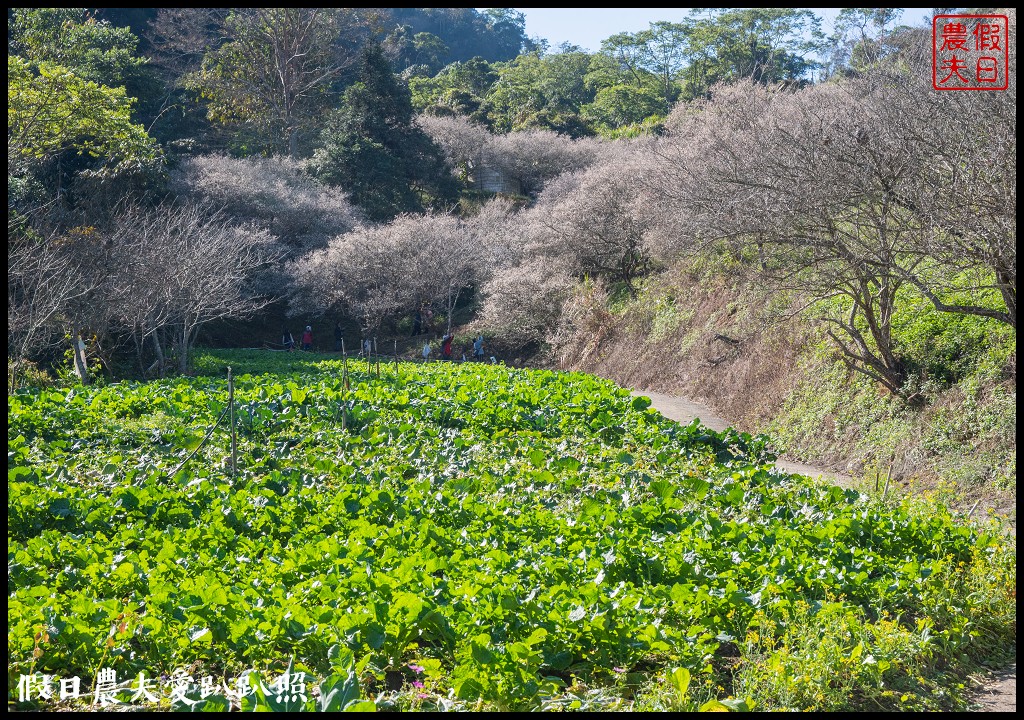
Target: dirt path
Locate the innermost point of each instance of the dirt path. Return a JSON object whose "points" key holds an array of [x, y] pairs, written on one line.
{"points": [[684, 411], [998, 692]]}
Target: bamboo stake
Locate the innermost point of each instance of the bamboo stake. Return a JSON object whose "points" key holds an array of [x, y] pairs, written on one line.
{"points": [[344, 382], [231, 413], [973, 508]]}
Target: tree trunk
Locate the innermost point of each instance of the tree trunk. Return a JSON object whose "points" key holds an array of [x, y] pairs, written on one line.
{"points": [[1008, 289], [183, 349], [78, 348], [451, 308], [293, 143], [138, 340], [158, 348]]}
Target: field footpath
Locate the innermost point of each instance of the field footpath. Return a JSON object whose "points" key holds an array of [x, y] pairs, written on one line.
{"points": [[998, 691], [684, 411]]}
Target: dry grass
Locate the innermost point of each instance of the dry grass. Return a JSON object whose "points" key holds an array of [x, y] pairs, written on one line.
{"points": [[728, 356]]}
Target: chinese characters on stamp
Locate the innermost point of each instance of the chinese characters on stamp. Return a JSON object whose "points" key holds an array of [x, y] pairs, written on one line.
{"points": [[970, 52]]}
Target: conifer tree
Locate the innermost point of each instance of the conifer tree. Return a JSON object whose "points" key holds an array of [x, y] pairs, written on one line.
{"points": [[373, 149]]}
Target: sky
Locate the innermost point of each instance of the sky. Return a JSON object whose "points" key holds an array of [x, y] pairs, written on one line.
{"points": [[587, 27]]}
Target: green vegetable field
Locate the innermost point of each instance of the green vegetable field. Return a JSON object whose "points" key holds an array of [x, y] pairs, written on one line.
{"points": [[464, 536]]}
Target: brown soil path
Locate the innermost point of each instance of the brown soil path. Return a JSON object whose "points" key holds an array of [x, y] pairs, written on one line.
{"points": [[998, 692], [684, 411]]}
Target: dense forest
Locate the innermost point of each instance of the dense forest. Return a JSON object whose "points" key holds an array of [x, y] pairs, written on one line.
{"points": [[182, 175]]}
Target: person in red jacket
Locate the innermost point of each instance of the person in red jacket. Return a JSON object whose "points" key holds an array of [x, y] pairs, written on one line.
{"points": [[307, 338], [446, 346]]}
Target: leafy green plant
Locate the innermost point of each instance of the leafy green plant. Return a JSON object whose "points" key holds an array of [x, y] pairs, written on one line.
{"points": [[518, 534]]}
